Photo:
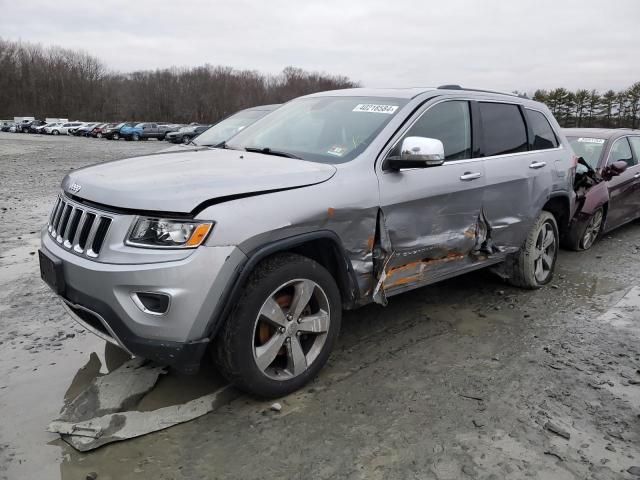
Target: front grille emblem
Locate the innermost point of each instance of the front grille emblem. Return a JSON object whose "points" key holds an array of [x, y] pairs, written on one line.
{"points": [[74, 188]]}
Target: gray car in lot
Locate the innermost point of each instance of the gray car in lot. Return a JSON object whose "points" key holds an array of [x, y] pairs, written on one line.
{"points": [[253, 249]]}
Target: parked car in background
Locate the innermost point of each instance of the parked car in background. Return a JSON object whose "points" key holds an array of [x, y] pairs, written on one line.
{"points": [[64, 128], [83, 129], [41, 128], [113, 133], [607, 182], [50, 127], [99, 130], [23, 126], [144, 131], [6, 126], [35, 125], [185, 134], [332, 201], [227, 128]]}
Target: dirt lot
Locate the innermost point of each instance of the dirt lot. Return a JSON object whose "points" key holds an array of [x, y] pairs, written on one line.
{"points": [[465, 379]]}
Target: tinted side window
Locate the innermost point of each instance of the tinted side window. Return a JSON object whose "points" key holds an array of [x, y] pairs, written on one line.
{"points": [[503, 127], [542, 134], [449, 122], [621, 151], [635, 144]]}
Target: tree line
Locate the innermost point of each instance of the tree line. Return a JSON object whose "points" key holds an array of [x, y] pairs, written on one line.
{"points": [[57, 82], [590, 108]]}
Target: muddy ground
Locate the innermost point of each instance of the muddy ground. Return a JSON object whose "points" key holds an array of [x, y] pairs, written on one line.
{"points": [[452, 381]]}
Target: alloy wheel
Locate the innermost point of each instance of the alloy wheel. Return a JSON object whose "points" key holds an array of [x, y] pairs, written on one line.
{"points": [[544, 252], [592, 230], [290, 329]]}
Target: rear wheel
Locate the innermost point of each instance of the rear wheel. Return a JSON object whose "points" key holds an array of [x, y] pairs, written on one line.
{"points": [[55, 132], [99, 135], [115, 136], [135, 137], [533, 266], [186, 139], [282, 329]]}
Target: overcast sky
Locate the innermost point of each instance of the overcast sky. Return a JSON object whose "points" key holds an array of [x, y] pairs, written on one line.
{"points": [[505, 45]]}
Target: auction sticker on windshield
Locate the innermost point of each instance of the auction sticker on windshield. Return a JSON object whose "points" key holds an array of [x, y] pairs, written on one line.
{"points": [[591, 140], [375, 108]]}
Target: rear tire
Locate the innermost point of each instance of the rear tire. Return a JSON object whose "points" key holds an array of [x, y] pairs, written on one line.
{"points": [[135, 137], [533, 266], [115, 136], [55, 132], [282, 328]]}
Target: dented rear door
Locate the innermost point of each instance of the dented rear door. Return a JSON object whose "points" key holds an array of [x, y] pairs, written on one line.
{"points": [[430, 218]]}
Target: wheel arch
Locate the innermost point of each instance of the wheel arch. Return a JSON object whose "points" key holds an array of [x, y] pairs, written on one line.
{"points": [[323, 246], [560, 207]]}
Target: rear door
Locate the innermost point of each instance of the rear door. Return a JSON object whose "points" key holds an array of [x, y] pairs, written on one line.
{"points": [[623, 189], [430, 215], [519, 171]]}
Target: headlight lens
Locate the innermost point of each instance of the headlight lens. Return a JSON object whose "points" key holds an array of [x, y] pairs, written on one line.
{"points": [[165, 233]]}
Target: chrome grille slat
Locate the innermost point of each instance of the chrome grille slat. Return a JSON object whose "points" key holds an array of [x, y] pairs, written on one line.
{"points": [[56, 218], [76, 238], [77, 228], [92, 235]]}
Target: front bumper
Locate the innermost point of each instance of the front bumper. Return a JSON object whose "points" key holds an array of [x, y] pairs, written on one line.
{"points": [[100, 296]]}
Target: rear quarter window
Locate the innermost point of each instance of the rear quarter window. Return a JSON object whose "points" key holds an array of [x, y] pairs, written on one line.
{"points": [[542, 135], [503, 127]]}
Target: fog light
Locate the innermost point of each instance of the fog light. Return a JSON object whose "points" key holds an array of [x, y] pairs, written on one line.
{"points": [[153, 303]]}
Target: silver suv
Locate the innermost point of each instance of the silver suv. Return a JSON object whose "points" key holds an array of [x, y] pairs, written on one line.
{"points": [[252, 250]]}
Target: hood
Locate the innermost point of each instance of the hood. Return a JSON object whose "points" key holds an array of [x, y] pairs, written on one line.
{"points": [[179, 182]]}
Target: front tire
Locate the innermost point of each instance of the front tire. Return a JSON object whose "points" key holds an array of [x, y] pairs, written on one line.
{"points": [[533, 266], [115, 136], [282, 328], [135, 137], [55, 132], [582, 237]]}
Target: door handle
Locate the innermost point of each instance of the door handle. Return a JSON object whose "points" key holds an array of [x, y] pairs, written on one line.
{"points": [[468, 176], [538, 165], [637, 175]]}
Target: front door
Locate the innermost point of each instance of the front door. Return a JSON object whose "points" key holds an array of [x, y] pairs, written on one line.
{"points": [[430, 216], [622, 188]]}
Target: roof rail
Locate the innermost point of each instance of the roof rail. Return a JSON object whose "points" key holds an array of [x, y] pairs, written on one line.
{"points": [[458, 87]]}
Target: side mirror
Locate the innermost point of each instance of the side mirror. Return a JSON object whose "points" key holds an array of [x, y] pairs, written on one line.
{"points": [[613, 170], [417, 152]]}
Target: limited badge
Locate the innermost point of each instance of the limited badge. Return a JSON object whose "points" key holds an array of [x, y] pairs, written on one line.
{"points": [[591, 140]]}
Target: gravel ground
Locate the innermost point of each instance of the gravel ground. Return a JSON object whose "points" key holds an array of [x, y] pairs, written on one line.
{"points": [[469, 378]]}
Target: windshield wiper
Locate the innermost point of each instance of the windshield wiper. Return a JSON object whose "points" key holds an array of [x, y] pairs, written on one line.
{"points": [[268, 151]]}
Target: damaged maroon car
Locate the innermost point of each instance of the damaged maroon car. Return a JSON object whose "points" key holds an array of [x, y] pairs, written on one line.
{"points": [[607, 182]]}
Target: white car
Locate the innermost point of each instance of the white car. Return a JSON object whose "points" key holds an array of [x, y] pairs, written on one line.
{"points": [[43, 128], [64, 128]]}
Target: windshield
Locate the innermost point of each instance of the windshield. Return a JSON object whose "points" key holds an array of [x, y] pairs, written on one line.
{"points": [[588, 148], [228, 127], [320, 129]]}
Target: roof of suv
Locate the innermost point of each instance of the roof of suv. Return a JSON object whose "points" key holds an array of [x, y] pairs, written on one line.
{"points": [[599, 132], [413, 92]]}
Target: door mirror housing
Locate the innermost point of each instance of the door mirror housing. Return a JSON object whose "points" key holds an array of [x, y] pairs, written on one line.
{"points": [[417, 152], [613, 170]]}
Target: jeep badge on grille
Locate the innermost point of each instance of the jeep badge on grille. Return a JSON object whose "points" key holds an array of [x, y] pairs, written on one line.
{"points": [[74, 188]]}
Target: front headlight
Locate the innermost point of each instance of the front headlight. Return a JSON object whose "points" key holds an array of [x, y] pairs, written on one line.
{"points": [[165, 233]]}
